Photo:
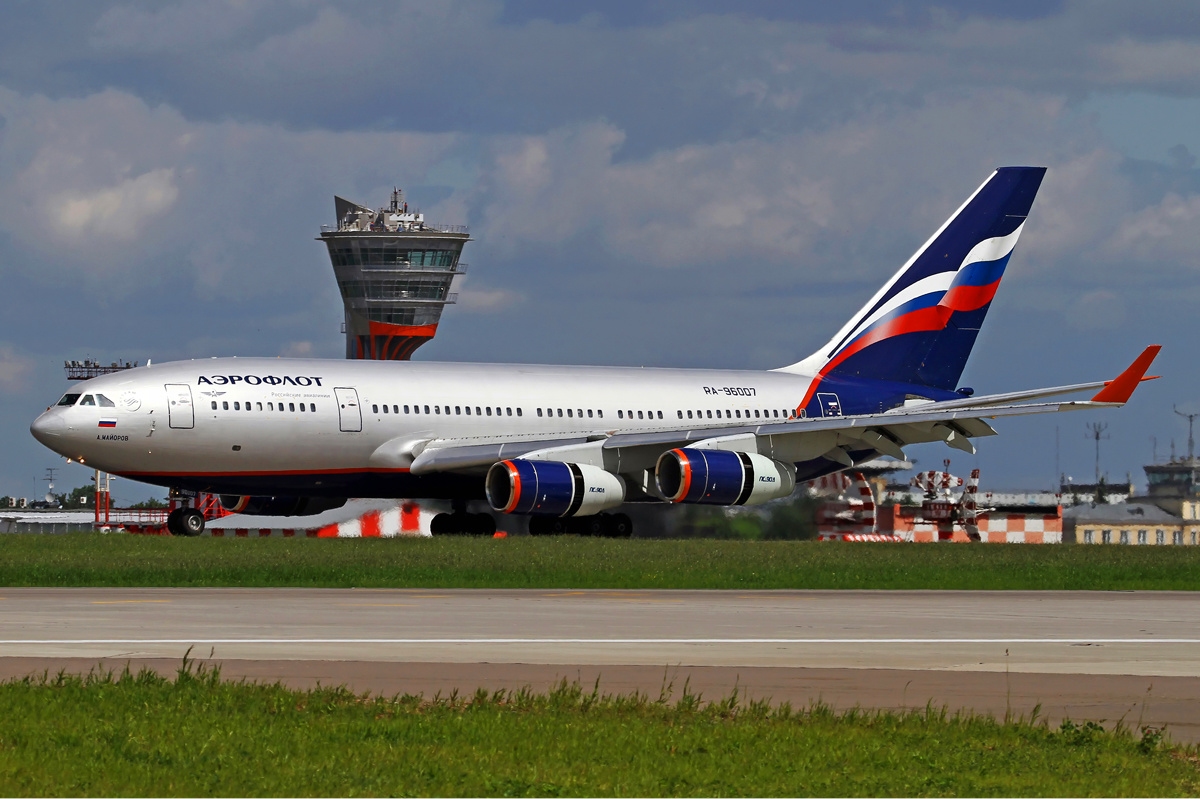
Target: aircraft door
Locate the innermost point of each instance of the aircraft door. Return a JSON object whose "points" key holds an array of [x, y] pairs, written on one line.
{"points": [[180, 413], [349, 414], [830, 404]]}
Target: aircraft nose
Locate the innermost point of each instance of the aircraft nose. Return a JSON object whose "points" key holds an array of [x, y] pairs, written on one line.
{"points": [[48, 427]]}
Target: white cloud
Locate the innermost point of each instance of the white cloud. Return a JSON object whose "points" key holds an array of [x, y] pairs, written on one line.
{"points": [[119, 212], [1097, 310], [16, 370], [488, 300], [297, 349]]}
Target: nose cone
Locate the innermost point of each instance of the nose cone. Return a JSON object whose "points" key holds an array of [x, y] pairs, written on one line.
{"points": [[48, 428]]}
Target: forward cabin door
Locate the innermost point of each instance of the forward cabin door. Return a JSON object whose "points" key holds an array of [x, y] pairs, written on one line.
{"points": [[349, 414], [180, 413]]}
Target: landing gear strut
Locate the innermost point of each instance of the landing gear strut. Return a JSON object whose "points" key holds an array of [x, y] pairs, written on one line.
{"points": [[603, 525]]}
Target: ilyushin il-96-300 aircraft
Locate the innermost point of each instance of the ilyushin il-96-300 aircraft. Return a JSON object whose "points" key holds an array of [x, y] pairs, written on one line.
{"points": [[567, 445]]}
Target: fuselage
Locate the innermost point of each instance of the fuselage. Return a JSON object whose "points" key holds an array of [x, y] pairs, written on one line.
{"points": [[348, 428]]}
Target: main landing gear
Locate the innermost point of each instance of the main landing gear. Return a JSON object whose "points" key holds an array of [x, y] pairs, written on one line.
{"points": [[185, 521], [459, 522], [602, 525]]}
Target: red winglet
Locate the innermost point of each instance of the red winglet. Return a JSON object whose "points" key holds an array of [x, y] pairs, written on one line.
{"points": [[1120, 389]]}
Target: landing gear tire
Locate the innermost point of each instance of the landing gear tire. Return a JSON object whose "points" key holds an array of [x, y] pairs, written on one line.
{"points": [[463, 524], [548, 525], [191, 522], [603, 525], [620, 526], [173, 522]]}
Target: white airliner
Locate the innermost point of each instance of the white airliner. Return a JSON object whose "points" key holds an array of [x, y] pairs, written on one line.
{"points": [[566, 444]]}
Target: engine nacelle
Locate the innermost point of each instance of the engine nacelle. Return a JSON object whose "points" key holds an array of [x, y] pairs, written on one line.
{"points": [[279, 506], [718, 477], [552, 488]]}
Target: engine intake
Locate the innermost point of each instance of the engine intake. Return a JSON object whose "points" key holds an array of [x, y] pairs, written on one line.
{"points": [[718, 477], [552, 488]]}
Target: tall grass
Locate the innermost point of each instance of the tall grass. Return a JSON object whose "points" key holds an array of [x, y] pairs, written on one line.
{"points": [[140, 734], [122, 560]]}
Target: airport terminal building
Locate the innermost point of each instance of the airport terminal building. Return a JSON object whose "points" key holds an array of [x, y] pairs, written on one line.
{"points": [[1167, 515]]}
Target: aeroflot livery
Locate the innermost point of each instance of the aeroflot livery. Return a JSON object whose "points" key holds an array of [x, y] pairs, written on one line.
{"points": [[565, 444]]}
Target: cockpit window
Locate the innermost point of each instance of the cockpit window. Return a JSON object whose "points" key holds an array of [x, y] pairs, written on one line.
{"points": [[69, 399], [87, 400], [105, 402]]}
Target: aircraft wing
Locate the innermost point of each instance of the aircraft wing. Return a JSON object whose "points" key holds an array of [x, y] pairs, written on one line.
{"points": [[954, 422]]}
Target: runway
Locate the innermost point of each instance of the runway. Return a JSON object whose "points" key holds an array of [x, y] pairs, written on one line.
{"points": [[1100, 655]]}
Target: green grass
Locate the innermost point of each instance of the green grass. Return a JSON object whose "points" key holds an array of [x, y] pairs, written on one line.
{"points": [[146, 735], [125, 560]]}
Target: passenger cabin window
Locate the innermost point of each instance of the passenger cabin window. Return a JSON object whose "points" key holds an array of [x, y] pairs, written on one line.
{"points": [[270, 406], [639, 414], [237, 406], [68, 399], [214, 405], [406, 409], [560, 413], [396, 409], [458, 410], [489, 411], [312, 406], [385, 409], [660, 414], [569, 413], [426, 409], [224, 406], [374, 409], [539, 412], [468, 410], [600, 414], [292, 407], [87, 400], [508, 411], [437, 409], [620, 414], [518, 411], [302, 407]]}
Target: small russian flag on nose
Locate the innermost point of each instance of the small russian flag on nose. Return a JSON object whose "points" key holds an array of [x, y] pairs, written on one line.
{"points": [[107, 423]]}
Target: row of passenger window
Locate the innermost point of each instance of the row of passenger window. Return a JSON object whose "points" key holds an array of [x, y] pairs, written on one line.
{"points": [[572, 413], [291, 406], [438, 409], [773, 413]]}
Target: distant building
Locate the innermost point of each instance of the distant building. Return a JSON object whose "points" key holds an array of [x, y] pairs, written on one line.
{"points": [[394, 271], [1167, 515]]}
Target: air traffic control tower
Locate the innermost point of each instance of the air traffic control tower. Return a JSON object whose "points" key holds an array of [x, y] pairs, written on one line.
{"points": [[394, 271]]}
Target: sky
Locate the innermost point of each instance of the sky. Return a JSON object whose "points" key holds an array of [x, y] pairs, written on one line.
{"points": [[648, 183]]}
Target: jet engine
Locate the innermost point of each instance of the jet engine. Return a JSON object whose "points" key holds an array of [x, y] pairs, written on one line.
{"points": [[552, 488], [718, 477], [279, 506]]}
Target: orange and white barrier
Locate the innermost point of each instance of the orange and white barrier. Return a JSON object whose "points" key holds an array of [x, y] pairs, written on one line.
{"points": [[406, 519]]}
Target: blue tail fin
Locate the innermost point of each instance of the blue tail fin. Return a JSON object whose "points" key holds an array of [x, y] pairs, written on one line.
{"points": [[920, 327]]}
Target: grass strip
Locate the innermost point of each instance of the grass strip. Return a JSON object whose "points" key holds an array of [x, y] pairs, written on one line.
{"points": [[134, 561], [142, 734]]}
